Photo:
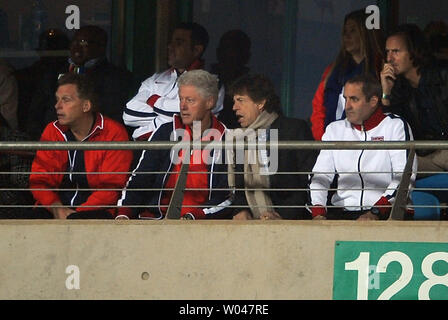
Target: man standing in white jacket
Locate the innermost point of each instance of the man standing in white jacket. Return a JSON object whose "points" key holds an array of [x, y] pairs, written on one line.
{"points": [[157, 99], [367, 180]]}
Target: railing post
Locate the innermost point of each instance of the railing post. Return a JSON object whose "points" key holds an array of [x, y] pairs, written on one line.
{"points": [[177, 198], [399, 207]]}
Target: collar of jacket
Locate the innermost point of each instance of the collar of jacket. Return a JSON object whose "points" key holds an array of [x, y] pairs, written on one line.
{"points": [[216, 124], [373, 121], [88, 66], [97, 126], [197, 64]]}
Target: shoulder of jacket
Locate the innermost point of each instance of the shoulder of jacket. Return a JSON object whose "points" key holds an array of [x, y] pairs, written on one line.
{"points": [[163, 132], [113, 127], [291, 124], [339, 123], [52, 132], [164, 75], [392, 117]]}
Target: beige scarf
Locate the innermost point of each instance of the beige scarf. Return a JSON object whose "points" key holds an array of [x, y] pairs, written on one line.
{"points": [[258, 200]]}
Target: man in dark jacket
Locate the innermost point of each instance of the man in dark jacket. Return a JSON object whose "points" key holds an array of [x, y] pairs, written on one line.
{"points": [[87, 56], [415, 88], [159, 169], [258, 110]]}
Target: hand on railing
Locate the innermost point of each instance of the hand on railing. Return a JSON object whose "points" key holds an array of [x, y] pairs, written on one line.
{"points": [[368, 216], [61, 212], [270, 215]]}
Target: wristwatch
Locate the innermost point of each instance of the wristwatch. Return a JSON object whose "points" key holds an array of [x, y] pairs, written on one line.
{"points": [[188, 216], [385, 96], [375, 211]]}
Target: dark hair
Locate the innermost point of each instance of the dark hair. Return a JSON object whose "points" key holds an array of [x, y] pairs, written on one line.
{"points": [[199, 36], [237, 40], [371, 86], [84, 85], [416, 43], [372, 45], [258, 87]]}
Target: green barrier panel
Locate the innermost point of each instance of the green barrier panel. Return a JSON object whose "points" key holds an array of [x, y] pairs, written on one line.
{"points": [[390, 271]]}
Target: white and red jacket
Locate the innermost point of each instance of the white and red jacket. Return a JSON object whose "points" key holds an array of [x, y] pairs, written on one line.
{"points": [[157, 101], [365, 178]]}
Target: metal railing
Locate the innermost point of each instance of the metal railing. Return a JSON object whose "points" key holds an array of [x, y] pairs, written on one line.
{"points": [[25, 148]]}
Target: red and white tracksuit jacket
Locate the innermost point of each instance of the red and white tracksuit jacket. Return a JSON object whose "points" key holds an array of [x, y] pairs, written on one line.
{"points": [[365, 177], [157, 101]]}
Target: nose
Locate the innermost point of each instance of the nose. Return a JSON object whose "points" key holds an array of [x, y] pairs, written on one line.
{"points": [[170, 45], [57, 105], [234, 107], [347, 104], [389, 56], [183, 105]]}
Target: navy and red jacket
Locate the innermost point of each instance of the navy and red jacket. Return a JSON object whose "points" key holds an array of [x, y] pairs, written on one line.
{"points": [[152, 204], [60, 161]]}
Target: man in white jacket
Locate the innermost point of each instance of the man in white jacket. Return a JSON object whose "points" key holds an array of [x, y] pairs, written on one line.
{"points": [[157, 99], [367, 180]]}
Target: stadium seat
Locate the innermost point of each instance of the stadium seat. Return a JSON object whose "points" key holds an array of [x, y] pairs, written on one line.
{"points": [[420, 198], [434, 181]]}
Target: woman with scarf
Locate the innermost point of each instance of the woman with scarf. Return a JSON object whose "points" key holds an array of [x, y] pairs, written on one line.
{"points": [[264, 191], [361, 52]]}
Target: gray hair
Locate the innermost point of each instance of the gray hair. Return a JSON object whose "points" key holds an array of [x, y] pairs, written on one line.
{"points": [[205, 82]]}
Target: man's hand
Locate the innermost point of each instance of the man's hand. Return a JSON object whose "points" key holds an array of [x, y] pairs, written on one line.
{"points": [[388, 78], [62, 212], [270, 215], [243, 215], [368, 216]]}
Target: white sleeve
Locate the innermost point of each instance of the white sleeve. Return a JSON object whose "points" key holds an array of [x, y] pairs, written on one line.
{"points": [[137, 112]]}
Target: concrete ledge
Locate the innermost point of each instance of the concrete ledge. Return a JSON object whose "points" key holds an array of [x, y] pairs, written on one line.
{"points": [[185, 259]]}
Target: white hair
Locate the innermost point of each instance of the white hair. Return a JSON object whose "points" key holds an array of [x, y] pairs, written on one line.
{"points": [[205, 82]]}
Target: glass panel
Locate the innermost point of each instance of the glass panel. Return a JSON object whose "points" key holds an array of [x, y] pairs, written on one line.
{"points": [[22, 23], [261, 20], [319, 28]]}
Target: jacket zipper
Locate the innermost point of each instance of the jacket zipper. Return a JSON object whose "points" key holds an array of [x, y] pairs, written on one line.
{"points": [[359, 171]]}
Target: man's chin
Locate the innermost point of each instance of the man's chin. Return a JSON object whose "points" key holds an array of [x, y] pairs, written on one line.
{"points": [[187, 121]]}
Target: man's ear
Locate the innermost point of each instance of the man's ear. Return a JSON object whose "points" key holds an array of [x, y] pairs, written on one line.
{"points": [[210, 103], [261, 104], [198, 49], [374, 101], [87, 106]]}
